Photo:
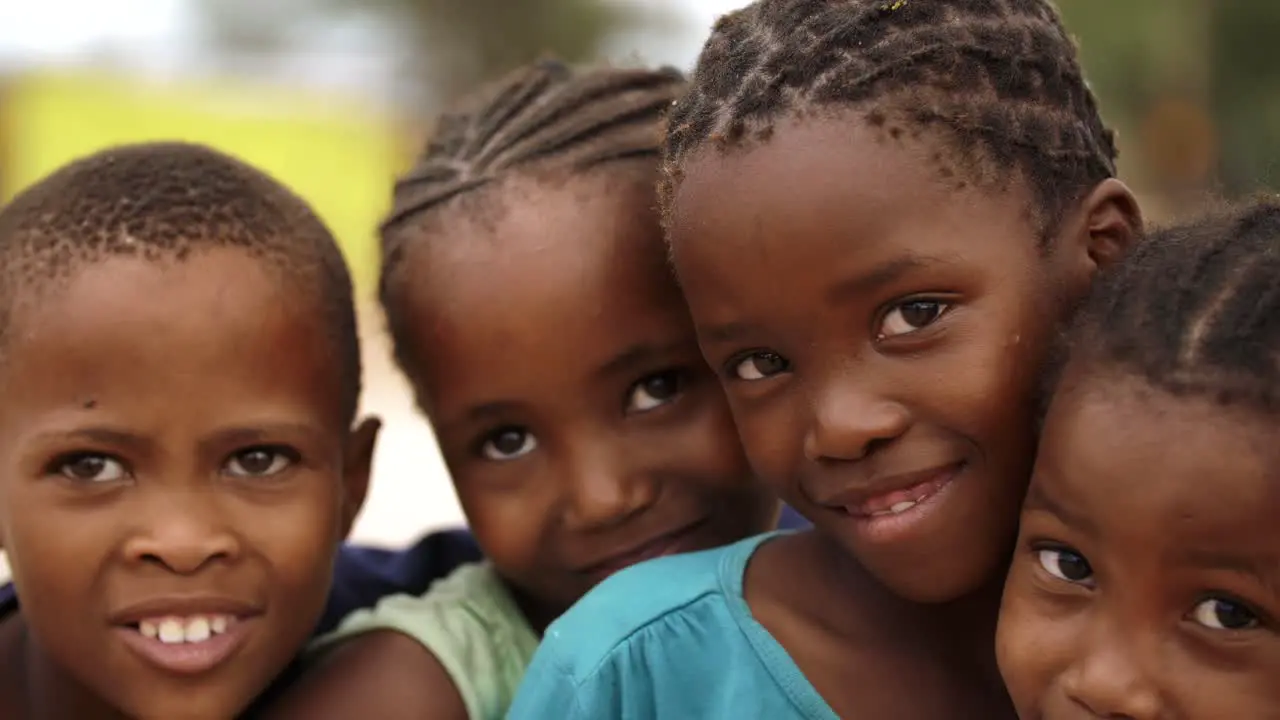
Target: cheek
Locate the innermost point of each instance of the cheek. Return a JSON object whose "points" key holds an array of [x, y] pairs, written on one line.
{"points": [[772, 438], [702, 446], [77, 544], [1032, 647], [510, 523], [297, 539]]}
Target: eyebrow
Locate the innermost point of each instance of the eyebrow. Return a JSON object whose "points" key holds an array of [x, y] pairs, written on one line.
{"points": [[856, 286], [1041, 501], [875, 278], [638, 355], [1254, 567], [726, 332], [486, 411], [99, 436], [256, 434]]}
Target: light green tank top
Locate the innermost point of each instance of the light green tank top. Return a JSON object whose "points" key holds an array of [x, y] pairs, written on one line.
{"points": [[470, 622]]}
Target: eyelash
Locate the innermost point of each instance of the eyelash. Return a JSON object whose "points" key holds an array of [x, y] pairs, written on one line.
{"points": [[944, 306], [680, 379], [62, 464]]}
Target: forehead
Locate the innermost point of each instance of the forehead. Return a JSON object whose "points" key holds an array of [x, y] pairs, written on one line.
{"points": [[1143, 461], [216, 327], [832, 193], [569, 268]]}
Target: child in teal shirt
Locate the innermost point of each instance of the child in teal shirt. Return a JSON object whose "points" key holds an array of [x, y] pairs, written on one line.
{"points": [[879, 212]]}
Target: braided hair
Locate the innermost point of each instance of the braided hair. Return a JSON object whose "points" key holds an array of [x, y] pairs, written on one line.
{"points": [[999, 77], [546, 117], [1195, 309]]}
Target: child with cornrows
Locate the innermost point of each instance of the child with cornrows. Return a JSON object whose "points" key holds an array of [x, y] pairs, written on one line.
{"points": [[879, 213], [1145, 581], [528, 294]]}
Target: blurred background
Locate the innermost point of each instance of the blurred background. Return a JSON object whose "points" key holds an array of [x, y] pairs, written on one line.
{"points": [[334, 96]]}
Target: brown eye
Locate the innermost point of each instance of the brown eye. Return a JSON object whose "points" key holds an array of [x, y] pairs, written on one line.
{"points": [[760, 365], [908, 317], [1225, 614], [1065, 564], [90, 468], [258, 462], [508, 443], [654, 391]]}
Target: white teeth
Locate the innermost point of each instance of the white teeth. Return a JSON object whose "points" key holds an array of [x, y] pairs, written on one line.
{"points": [[171, 632], [195, 629], [896, 508], [901, 507]]}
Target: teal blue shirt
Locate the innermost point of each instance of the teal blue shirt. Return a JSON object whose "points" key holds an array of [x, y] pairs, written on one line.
{"points": [[668, 639]]}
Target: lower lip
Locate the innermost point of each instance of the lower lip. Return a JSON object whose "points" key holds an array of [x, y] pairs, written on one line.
{"points": [[674, 544], [887, 529], [187, 658]]}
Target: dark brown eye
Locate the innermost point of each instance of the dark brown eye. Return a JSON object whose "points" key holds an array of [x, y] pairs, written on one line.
{"points": [[508, 443], [258, 462], [656, 390], [91, 468], [909, 317], [760, 365]]}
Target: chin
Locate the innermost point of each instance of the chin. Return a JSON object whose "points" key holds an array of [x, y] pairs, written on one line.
{"points": [[933, 583], [192, 704]]}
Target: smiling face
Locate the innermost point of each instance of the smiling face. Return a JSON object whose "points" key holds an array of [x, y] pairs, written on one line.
{"points": [[558, 365], [177, 473], [879, 330], [1146, 583]]}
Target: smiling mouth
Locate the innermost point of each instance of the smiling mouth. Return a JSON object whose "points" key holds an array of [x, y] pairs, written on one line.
{"points": [[175, 630], [897, 502], [669, 544], [186, 644]]}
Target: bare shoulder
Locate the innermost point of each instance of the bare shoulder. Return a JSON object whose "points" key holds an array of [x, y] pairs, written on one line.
{"points": [[382, 674], [11, 689]]}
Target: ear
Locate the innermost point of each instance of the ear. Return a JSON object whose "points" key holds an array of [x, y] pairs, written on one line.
{"points": [[361, 442], [1105, 224]]}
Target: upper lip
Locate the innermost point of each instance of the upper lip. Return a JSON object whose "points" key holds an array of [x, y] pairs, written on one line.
{"points": [[884, 484], [183, 606], [628, 553]]}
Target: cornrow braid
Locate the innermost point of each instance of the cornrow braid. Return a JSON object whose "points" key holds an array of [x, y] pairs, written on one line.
{"points": [[1001, 77], [1195, 309], [546, 116]]}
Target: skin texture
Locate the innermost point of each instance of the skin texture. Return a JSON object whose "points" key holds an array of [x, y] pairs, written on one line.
{"points": [[1145, 584], [876, 322], [169, 430], [578, 420]]}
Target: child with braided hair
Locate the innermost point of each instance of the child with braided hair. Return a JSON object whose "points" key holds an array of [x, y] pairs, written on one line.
{"points": [[528, 294], [879, 212], [1145, 581]]}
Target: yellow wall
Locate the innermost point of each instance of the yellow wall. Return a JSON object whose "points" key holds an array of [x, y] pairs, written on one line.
{"points": [[340, 157]]}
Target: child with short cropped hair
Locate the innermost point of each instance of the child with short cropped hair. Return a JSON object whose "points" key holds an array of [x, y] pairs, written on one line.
{"points": [[178, 463], [1145, 582]]}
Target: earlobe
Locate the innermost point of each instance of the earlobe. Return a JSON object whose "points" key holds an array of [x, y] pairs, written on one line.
{"points": [[361, 442], [1112, 222]]}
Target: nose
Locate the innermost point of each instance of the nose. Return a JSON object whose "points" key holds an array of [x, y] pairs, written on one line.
{"points": [[183, 531], [849, 421], [605, 488], [1112, 678]]}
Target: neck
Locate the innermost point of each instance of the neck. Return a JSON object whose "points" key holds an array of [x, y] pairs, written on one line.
{"points": [[963, 629]]}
